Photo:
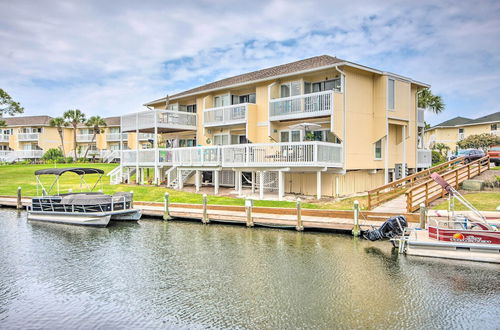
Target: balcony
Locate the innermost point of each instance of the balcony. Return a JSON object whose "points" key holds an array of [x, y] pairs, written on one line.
{"points": [[146, 136], [28, 136], [424, 158], [301, 106], [4, 138], [420, 117], [116, 136], [165, 120], [84, 137], [228, 115], [460, 136], [264, 155]]}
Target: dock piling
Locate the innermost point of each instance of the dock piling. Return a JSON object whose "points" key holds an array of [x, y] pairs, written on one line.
{"points": [[248, 210], [299, 226], [205, 218], [19, 204], [166, 204], [356, 231], [423, 215]]}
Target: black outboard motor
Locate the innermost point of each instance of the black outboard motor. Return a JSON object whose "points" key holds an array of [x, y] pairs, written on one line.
{"points": [[391, 228]]}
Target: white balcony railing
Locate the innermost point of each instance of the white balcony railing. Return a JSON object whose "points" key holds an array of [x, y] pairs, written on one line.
{"points": [[461, 136], [164, 119], [228, 115], [11, 155], [84, 137], [116, 136], [298, 154], [420, 117], [146, 136], [301, 106], [4, 138], [424, 158], [28, 136]]}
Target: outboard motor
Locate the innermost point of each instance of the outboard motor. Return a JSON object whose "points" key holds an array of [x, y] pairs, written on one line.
{"points": [[391, 228]]}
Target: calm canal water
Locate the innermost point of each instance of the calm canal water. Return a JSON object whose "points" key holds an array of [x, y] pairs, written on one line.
{"points": [[155, 274]]}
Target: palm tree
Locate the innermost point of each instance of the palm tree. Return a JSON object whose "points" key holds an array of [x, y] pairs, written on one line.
{"points": [[96, 122], [427, 100], [74, 118], [59, 123], [441, 147]]}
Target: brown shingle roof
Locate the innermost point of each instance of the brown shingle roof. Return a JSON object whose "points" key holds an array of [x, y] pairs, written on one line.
{"points": [[27, 121], [307, 64], [112, 121]]}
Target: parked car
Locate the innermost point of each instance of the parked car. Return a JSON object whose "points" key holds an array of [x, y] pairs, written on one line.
{"points": [[469, 154], [494, 154]]}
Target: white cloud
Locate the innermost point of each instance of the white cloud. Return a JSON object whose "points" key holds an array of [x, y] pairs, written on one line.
{"points": [[107, 57]]}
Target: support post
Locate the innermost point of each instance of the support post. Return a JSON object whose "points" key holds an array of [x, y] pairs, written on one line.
{"points": [[248, 209], [423, 216], [180, 184], [253, 182], [197, 180], [19, 198], [299, 226], [240, 183], [281, 185], [205, 218], [318, 185], [166, 204], [261, 185], [356, 230], [131, 199], [216, 182]]}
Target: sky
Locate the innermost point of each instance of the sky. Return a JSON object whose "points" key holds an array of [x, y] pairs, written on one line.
{"points": [[109, 57]]}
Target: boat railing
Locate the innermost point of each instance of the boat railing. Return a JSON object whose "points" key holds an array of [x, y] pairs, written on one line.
{"points": [[53, 204]]}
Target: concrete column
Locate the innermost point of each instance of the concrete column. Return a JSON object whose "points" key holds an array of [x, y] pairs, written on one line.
{"points": [[253, 182], [197, 180], [180, 184], [157, 152], [216, 182], [240, 183], [261, 185], [318, 184], [281, 185], [142, 175]]}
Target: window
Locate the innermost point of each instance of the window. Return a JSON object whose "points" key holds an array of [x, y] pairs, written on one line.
{"points": [[461, 131], [290, 136], [390, 94], [494, 127], [378, 149], [249, 98], [191, 108], [285, 90], [221, 100], [290, 89], [221, 139]]}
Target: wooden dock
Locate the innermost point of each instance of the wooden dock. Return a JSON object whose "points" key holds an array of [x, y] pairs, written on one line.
{"points": [[292, 218]]}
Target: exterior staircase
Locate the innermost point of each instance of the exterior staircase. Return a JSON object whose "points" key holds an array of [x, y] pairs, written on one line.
{"points": [[111, 156], [118, 175], [173, 177]]}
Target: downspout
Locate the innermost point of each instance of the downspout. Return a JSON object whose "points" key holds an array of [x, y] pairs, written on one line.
{"points": [[344, 142]]}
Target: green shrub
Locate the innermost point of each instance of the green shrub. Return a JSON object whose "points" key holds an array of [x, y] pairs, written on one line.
{"points": [[53, 154], [437, 158]]}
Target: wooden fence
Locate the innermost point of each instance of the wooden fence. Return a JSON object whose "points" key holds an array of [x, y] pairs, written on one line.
{"points": [[429, 190]]}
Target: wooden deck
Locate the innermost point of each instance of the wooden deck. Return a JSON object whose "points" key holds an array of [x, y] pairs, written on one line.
{"points": [[310, 219]]}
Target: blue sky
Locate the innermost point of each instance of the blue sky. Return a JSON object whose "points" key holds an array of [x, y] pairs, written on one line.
{"points": [[109, 57]]}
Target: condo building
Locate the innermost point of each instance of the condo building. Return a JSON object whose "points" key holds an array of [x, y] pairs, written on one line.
{"points": [[320, 126]]}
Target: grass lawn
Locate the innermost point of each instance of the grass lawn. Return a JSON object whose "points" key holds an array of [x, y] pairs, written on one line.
{"points": [[483, 201], [13, 176]]}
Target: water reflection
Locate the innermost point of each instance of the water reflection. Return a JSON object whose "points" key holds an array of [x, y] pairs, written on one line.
{"points": [[182, 274]]}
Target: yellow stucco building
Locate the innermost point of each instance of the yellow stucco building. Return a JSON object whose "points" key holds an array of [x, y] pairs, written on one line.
{"points": [[319, 126], [451, 131]]}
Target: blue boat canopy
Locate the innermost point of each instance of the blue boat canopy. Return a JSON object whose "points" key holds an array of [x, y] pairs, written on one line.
{"points": [[76, 170]]}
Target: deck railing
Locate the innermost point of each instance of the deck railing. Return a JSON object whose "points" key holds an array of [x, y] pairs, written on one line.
{"points": [[4, 138], [84, 137], [116, 136], [146, 136], [301, 106], [228, 115], [28, 136], [166, 119], [429, 190], [298, 154]]}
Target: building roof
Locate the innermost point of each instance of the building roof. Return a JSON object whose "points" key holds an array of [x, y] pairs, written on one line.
{"points": [[316, 62], [112, 121], [462, 121], [27, 121], [491, 118]]}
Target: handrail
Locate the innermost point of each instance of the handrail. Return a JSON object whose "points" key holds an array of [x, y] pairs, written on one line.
{"points": [[428, 190], [375, 193], [288, 98]]}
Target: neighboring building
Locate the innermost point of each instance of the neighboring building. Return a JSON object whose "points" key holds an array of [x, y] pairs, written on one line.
{"points": [[451, 131], [27, 137], [319, 126]]}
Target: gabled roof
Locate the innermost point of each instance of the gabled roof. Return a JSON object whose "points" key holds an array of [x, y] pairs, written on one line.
{"points": [[491, 118], [27, 121], [452, 122], [308, 64]]}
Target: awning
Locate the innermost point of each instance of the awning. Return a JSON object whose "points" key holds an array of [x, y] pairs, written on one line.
{"points": [[76, 170]]}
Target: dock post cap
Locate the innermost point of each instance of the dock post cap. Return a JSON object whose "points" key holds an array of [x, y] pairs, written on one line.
{"points": [[356, 202], [422, 205]]}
